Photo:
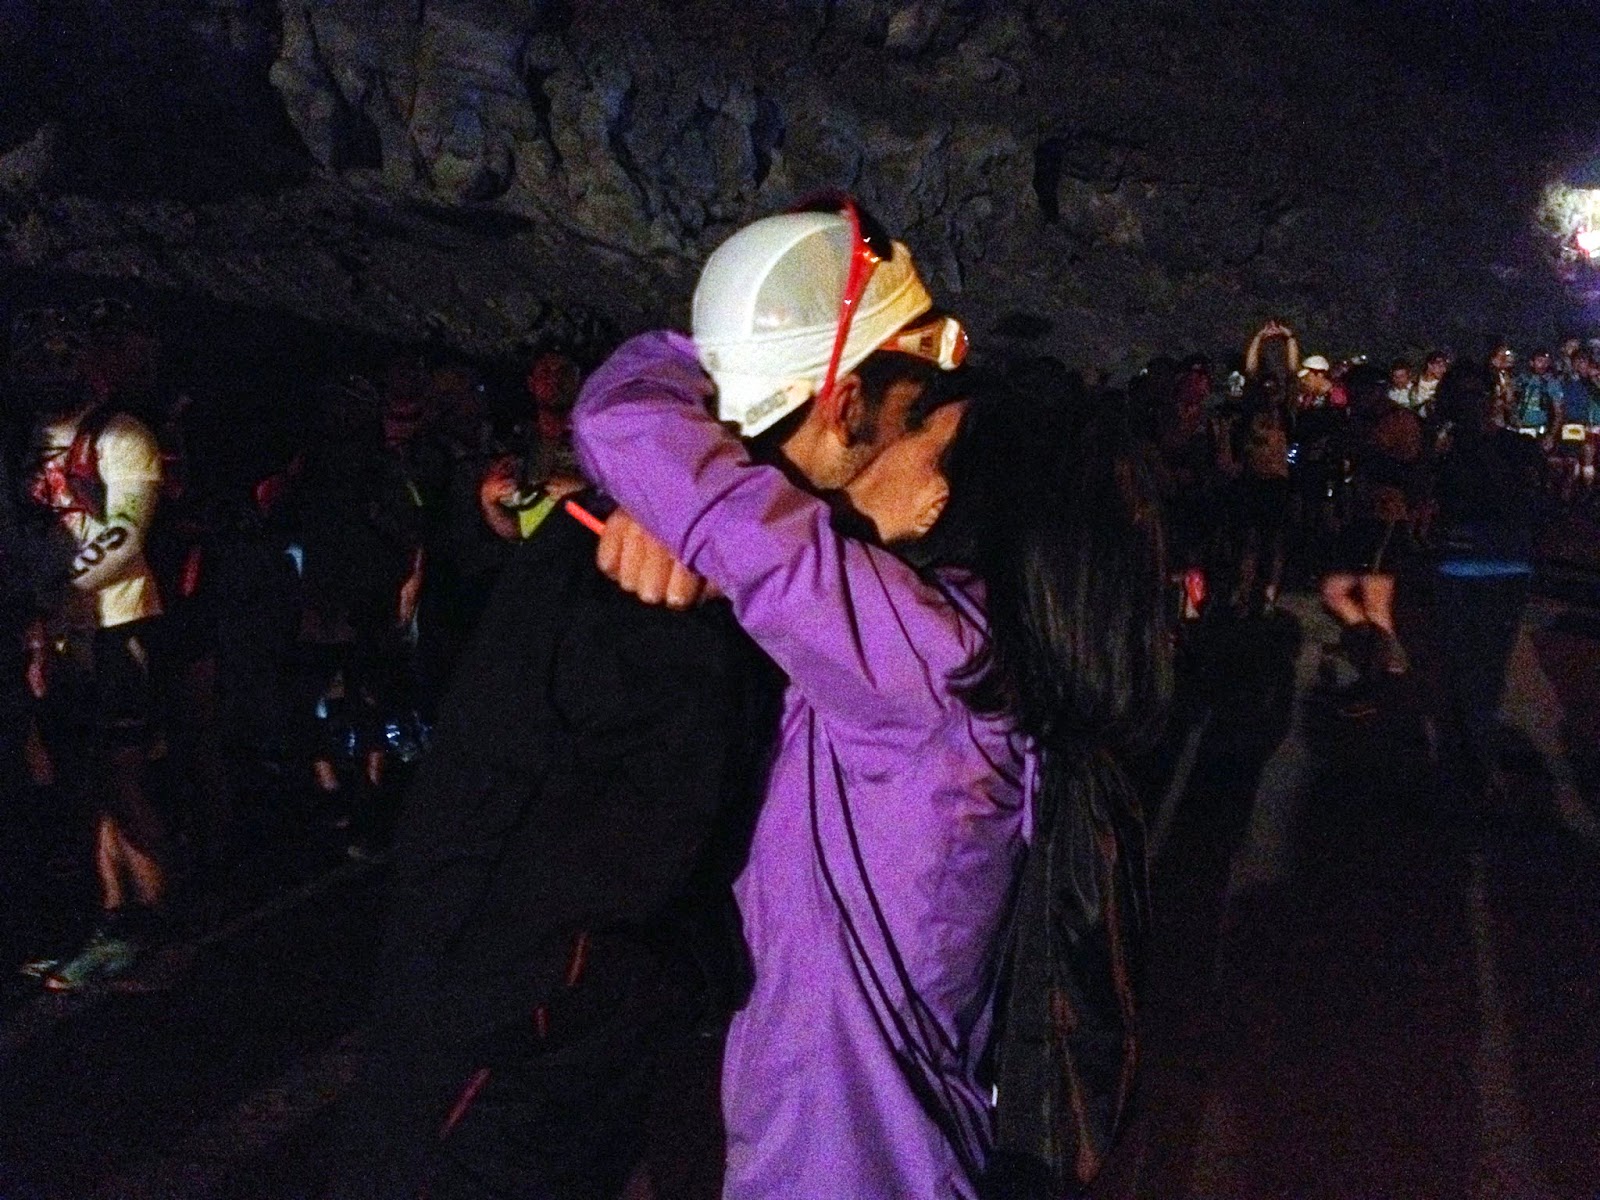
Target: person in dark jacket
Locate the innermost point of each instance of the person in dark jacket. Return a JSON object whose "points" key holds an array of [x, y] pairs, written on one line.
{"points": [[1489, 493], [560, 913]]}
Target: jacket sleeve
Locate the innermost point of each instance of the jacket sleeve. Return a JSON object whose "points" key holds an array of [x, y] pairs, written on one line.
{"points": [[864, 638]]}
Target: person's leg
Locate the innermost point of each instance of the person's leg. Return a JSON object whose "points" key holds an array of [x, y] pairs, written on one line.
{"points": [[125, 671], [1478, 628], [107, 865], [1275, 563], [419, 1051], [134, 881], [1341, 599], [130, 838], [36, 755], [1375, 595], [146, 877], [329, 704], [1360, 642], [377, 694], [389, 1120], [64, 721], [325, 652], [1377, 599], [1275, 539]]}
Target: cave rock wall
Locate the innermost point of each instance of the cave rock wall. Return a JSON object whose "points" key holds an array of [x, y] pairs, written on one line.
{"points": [[1102, 181]]}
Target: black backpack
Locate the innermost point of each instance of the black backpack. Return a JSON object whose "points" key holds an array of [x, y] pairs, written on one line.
{"points": [[1067, 1049]]}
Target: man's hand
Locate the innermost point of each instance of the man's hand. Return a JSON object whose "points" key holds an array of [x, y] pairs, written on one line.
{"points": [[639, 564], [499, 482], [496, 489]]}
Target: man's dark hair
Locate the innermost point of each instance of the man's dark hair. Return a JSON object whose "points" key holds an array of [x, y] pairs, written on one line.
{"points": [[940, 389], [1435, 356], [878, 374], [883, 370]]}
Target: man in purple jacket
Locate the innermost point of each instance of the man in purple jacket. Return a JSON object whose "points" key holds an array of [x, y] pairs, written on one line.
{"points": [[589, 748], [883, 862], [774, 334]]}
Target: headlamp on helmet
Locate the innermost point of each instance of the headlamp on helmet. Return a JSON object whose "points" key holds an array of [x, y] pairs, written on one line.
{"points": [[791, 303]]}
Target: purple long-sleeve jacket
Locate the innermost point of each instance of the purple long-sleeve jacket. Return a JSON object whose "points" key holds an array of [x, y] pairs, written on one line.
{"points": [[880, 879]]}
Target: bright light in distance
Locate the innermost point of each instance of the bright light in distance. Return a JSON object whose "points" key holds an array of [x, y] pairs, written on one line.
{"points": [[1567, 213], [1570, 217]]}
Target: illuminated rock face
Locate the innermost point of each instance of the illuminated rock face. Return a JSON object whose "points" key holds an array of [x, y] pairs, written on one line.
{"points": [[1102, 181]]}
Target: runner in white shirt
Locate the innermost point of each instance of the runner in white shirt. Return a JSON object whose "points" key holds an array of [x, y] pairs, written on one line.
{"points": [[1433, 369], [1402, 384], [99, 472]]}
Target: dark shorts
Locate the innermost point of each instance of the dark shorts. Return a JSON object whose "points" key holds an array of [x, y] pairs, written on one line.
{"points": [[107, 679], [1371, 547]]}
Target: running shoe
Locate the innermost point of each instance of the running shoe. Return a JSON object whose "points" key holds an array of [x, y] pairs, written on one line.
{"points": [[106, 957]]}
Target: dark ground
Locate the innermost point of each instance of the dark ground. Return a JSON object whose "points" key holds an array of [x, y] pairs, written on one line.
{"points": [[1359, 987]]}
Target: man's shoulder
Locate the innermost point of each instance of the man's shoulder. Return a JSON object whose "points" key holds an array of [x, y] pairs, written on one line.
{"points": [[658, 354], [125, 443], [655, 342]]}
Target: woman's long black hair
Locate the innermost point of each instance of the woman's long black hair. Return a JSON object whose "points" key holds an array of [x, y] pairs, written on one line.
{"points": [[1054, 505]]}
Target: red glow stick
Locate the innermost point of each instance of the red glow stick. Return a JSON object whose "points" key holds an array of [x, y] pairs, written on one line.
{"points": [[584, 517]]}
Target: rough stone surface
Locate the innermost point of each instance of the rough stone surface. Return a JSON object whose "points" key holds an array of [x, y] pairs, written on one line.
{"points": [[1102, 181]]}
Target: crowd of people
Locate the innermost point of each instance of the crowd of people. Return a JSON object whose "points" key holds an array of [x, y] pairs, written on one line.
{"points": [[233, 624], [783, 676], [1327, 474]]}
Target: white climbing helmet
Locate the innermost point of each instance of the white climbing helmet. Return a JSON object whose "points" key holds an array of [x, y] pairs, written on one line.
{"points": [[767, 308]]}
